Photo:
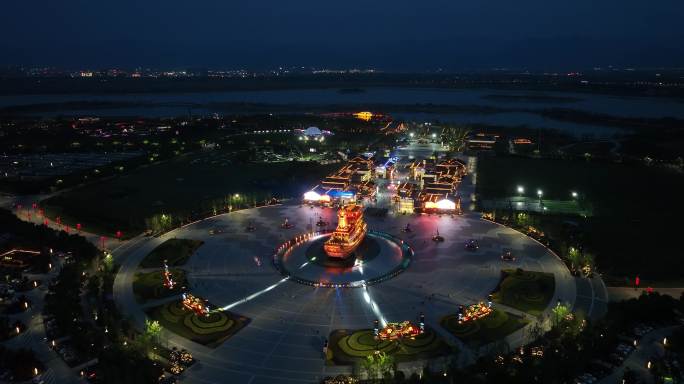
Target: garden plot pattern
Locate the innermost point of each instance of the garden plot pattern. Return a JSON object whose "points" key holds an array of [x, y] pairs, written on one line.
{"points": [[289, 321]]}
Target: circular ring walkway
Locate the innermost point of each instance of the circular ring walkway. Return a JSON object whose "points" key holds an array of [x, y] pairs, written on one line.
{"points": [[289, 321]]}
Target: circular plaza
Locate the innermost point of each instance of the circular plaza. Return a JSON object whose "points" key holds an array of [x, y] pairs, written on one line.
{"points": [[288, 305]]}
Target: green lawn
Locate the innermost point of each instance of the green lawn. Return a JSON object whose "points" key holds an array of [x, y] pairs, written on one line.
{"points": [[210, 330], [149, 286], [527, 291], [180, 186], [175, 251], [348, 347], [496, 326]]}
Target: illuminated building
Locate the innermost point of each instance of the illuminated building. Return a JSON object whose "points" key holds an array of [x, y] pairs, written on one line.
{"points": [[365, 115], [17, 258], [482, 142], [348, 183], [520, 145], [435, 203], [405, 197], [311, 133], [350, 231], [385, 168]]}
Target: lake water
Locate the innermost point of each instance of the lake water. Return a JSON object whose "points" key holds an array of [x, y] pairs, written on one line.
{"points": [[174, 104]]}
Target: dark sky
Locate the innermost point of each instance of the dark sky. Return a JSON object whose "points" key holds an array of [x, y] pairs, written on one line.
{"points": [[385, 34]]}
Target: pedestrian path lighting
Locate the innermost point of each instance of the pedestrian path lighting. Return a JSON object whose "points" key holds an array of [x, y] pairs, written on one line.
{"points": [[521, 190], [574, 194]]}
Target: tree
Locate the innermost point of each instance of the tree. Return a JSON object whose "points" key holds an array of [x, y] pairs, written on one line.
{"points": [[369, 366], [575, 258], [108, 263], [153, 330], [560, 311], [455, 137], [385, 363]]}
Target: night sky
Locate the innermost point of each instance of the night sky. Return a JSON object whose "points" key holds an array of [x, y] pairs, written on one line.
{"points": [[389, 35]]}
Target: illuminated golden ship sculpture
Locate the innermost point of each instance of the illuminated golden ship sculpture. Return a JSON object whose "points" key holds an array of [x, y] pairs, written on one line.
{"points": [[350, 231]]}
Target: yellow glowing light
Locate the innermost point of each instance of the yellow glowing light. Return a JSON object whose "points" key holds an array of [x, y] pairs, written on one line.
{"points": [[365, 115]]}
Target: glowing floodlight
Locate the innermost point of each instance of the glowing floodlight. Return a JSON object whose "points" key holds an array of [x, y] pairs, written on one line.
{"points": [[446, 205], [312, 196]]}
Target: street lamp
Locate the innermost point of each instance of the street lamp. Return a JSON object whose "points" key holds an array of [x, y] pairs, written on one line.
{"points": [[521, 189], [411, 134], [540, 193], [574, 194]]}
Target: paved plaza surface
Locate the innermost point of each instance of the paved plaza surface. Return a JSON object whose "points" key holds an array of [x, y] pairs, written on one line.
{"points": [[289, 321]]}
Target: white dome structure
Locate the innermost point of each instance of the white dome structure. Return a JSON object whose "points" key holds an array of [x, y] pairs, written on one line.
{"points": [[313, 131]]}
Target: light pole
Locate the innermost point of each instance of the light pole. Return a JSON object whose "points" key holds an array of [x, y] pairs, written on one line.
{"points": [[521, 190], [540, 193]]}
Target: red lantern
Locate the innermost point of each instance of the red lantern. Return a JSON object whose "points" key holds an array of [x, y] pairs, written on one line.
{"points": [[119, 234], [78, 226], [45, 222]]}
